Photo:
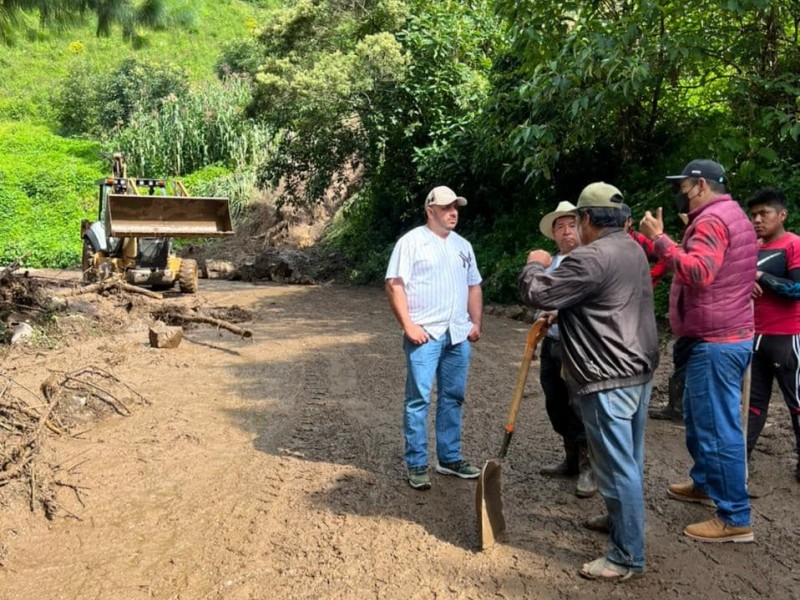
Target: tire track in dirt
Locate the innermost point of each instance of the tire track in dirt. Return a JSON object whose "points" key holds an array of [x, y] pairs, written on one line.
{"points": [[273, 469]]}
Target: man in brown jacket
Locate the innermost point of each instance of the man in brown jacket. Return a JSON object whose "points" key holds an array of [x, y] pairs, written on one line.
{"points": [[604, 298]]}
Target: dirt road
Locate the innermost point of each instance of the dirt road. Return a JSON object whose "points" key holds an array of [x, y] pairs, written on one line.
{"points": [[272, 468]]}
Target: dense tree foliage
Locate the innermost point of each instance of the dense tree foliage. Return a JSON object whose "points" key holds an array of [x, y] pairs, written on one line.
{"points": [[520, 103], [516, 103]]}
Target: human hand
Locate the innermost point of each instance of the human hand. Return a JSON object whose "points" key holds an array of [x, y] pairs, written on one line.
{"points": [[416, 334], [541, 257], [474, 333], [548, 316], [757, 290], [650, 226]]}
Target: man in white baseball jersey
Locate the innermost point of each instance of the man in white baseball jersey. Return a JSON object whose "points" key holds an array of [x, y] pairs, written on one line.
{"points": [[433, 285]]}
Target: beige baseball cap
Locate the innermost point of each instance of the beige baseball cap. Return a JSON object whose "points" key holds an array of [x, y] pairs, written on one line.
{"points": [[442, 196], [600, 195]]}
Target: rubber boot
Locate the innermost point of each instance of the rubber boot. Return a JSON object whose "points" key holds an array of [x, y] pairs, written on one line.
{"points": [[673, 411], [567, 467], [586, 486]]}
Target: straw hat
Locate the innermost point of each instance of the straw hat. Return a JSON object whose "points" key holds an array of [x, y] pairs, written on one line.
{"points": [[563, 209]]}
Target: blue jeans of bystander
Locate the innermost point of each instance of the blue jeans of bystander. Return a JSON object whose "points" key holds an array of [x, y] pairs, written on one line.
{"points": [[615, 421], [448, 363], [714, 437]]}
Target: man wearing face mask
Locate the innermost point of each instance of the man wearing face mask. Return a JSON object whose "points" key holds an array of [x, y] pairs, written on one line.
{"points": [[711, 313]]}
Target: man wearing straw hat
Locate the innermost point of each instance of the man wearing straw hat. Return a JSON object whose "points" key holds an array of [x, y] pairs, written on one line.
{"points": [[561, 227]]}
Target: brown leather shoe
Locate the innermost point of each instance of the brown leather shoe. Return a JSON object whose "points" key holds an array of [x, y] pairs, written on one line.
{"points": [[687, 492], [715, 530]]}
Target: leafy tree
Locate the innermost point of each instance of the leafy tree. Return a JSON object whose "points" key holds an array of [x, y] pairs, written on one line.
{"points": [[617, 88]]}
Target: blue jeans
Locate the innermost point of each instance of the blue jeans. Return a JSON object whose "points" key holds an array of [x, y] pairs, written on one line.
{"points": [[714, 437], [448, 363], [614, 421]]}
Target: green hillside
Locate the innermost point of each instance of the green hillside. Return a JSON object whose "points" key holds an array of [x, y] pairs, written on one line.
{"points": [[29, 69], [46, 187], [46, 180]]}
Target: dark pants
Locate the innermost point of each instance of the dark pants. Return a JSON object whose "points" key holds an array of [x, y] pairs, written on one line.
{"points": [[774, 357], [681, 350], [563, 414]]}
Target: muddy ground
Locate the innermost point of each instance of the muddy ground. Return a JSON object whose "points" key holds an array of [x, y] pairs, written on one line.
{"points": [[272, 468]]}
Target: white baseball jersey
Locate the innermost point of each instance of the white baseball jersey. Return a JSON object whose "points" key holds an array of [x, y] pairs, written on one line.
{"points": [[436, 274]]}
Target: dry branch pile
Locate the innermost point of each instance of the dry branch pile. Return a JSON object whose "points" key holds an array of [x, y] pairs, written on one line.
{"points": [[26, 419]]}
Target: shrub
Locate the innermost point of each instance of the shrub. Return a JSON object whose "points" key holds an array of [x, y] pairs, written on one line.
{"points": [[46, 188], [93, 102]]}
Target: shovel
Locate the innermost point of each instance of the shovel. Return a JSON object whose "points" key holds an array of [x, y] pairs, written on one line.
{"points": [[488, 497]]}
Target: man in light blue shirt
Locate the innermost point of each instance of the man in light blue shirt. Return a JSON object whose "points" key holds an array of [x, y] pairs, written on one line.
{"points": [[434, 290]]}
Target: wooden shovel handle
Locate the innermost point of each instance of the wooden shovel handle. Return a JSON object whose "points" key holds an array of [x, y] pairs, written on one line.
{"points": [[535, 335]]}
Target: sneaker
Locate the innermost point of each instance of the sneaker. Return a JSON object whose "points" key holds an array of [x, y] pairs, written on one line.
{"points": [[687, 492], [418, 478], [460, 468], [715, 530]]}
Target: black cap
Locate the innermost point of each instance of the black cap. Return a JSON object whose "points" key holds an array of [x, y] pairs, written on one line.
{"points": [[702, 167]]}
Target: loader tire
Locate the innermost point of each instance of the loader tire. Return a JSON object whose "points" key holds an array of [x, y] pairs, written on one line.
{"points": [[187, 276], [87, 263]]}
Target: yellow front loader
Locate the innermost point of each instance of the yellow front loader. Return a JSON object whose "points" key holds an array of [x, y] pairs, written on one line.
{"points": [[136, 223]]}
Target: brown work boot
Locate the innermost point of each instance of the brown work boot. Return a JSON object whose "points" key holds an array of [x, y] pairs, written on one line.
{"points": [[687, 492], [715, 530], [586, 486]]}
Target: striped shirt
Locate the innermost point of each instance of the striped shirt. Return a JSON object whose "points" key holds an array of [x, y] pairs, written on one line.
{"points": [[436, 274]]}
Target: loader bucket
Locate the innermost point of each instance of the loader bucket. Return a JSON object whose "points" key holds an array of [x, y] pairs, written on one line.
{"points": [[168, 216]]}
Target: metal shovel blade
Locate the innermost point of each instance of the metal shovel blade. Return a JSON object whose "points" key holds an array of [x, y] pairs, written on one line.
{"points": [[489, 504], [488, 493]]}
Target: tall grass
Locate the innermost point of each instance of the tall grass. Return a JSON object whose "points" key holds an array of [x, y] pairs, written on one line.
{"points": [[205, 127]]}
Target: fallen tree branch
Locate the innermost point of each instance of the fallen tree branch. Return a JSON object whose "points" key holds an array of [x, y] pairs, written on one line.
{"points": [[77, 374], [102, 286], [79, 291], [245, 333], [11, 268]]}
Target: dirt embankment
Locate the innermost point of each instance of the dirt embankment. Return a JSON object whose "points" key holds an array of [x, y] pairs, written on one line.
{"points": [[271, 467]]}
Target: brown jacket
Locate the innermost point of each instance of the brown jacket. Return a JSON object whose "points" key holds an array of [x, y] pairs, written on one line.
{"points": [[606, 318]]}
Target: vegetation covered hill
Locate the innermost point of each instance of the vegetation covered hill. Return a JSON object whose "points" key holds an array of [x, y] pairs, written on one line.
{"points": [[47, 173], [516, 104]]}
